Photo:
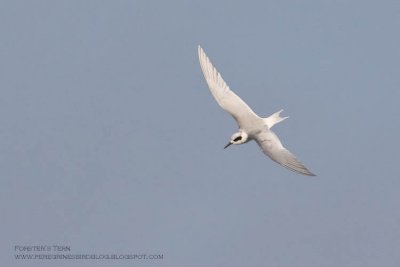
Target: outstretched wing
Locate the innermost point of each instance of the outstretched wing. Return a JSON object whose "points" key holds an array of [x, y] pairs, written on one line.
{"points": [[273, 148], [226, 98]]}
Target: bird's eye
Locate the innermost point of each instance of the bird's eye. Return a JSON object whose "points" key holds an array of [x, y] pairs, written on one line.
{"points": [[237, 139]]}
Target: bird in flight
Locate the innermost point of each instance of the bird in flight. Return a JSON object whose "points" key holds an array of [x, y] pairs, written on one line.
{"points": [[251, 126]]}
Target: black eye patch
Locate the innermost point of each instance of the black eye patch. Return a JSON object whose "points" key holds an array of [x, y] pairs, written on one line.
{"points": [[237, 139]]}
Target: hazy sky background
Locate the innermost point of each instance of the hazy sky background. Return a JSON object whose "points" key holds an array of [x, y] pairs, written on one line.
{"points": [[111, 142]]}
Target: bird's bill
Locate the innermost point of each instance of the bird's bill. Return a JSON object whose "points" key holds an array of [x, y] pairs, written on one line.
{"points": [[228, 145]]}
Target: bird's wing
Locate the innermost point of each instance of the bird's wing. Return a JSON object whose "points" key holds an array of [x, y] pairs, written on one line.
{"points": [[273, 148], [225, 97]]}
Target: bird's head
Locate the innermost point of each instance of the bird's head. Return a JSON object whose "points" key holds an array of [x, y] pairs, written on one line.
{"points": [[238, 138]]}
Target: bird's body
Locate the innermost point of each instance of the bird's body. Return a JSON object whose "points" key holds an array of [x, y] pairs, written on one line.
{"points": [[251, 126]]}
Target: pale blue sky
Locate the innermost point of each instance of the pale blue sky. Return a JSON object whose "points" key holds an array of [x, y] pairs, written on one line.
{"points": [[111, 142]]}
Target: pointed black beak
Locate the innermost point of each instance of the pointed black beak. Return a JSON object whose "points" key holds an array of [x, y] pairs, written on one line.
{"points": [[228, 145]]}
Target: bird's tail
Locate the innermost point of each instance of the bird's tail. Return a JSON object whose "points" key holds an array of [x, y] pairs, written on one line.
{"points": [[274, 119]]}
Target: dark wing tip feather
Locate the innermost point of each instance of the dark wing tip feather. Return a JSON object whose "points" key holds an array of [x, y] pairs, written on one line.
{"points": [[290, 162]]}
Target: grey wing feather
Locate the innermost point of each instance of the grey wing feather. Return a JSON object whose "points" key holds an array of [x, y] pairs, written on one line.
{"points": [[273, 148], [226, 98]]}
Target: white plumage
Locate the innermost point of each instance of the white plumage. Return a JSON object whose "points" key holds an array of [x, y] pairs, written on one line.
{"points": [[251, 126]]}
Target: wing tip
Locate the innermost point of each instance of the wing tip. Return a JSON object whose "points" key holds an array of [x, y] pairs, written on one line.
{"points": [[299, 169], [310, 174], [292, 163], [200, 50]]}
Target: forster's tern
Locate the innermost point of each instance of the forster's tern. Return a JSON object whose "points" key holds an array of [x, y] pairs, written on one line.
{"points": [[251, 126]]}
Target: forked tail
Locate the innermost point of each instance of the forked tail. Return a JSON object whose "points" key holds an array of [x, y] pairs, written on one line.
{"points": [[274, 119]]}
